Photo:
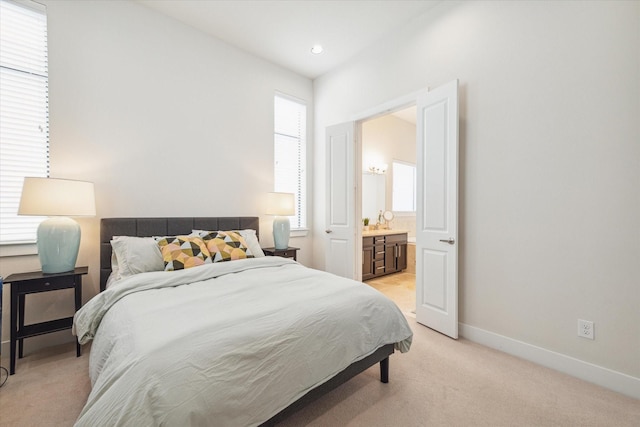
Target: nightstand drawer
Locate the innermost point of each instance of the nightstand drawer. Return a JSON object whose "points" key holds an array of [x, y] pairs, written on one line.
{"points": [[287, 254], [45, 284]]}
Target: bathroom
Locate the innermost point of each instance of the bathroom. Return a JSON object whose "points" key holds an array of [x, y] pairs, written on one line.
{"points": [[388, 196]]}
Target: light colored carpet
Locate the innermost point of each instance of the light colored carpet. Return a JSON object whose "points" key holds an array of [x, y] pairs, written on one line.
{"points": [[443, 382], [440, 382], [49, 388]]}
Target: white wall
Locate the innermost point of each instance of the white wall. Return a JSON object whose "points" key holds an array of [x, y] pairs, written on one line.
{"points": [[549, 161], [166, 121], [385, 139]]}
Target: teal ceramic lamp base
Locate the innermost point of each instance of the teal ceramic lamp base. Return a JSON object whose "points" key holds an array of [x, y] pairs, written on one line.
{"points": [[58, 243], [281, 231]]}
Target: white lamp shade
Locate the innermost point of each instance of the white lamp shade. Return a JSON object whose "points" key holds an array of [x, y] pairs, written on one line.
{"points": [[281, 204], [57, 197]]}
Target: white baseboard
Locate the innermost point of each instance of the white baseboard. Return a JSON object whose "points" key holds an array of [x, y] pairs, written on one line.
{"points": [[613, 380]]}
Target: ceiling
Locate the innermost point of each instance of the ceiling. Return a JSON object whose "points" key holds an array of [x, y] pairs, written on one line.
{"points": [[283, 31]]}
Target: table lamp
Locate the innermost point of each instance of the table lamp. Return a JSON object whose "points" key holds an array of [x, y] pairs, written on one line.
{"points": [[58, 238], [282, 205]]}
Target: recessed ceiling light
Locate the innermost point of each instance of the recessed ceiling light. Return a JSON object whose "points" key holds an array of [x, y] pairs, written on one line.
{"points": [[316, 49]]}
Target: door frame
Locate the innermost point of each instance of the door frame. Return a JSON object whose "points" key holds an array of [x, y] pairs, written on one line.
{"points": [[380, 110]]}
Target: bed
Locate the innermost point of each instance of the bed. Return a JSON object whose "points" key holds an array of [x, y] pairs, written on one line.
{"points": [[245, 342]]}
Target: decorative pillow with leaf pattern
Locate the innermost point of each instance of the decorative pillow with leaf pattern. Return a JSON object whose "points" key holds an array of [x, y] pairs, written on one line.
{"points": [[226, 246], [181, 252]]}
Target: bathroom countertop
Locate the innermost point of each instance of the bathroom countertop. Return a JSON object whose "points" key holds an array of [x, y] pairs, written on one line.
{"points": [[384, 232]]}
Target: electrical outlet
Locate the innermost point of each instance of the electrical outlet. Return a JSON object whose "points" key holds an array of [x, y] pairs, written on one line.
{"points": [[585, 329]]}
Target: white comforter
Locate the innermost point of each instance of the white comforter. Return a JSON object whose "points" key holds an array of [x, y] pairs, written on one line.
{"points": [[226, 344]]}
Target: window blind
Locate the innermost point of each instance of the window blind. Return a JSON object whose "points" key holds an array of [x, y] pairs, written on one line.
{"points": [[290, 124], [24, 112]]}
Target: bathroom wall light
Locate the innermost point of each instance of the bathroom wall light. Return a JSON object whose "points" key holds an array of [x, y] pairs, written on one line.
{"points": [[378, 169]]}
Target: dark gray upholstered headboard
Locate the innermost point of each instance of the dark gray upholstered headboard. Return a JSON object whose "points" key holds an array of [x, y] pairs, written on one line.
{"points": [[147, 227]]}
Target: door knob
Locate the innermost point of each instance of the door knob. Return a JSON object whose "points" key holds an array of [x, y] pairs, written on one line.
{"points": [[450, 241], [328, 231]]}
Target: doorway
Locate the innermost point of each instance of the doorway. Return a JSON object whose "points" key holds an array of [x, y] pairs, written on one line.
{"points": [[436, 202], [388, 152]]}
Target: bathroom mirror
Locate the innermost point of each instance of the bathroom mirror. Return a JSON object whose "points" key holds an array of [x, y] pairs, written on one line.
{"points": [[373, 196], [388, 217]]}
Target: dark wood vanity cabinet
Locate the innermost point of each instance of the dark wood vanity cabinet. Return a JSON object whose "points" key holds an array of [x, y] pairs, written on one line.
{"points": [[395, 252], [367, 260], [383, 254]]}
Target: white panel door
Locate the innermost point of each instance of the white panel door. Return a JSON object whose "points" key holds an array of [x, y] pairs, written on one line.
{"points": [[340, 225], [437, 213]]}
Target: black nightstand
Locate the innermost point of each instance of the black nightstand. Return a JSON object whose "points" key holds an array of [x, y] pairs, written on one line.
{"points": [[29, 283], [285, 253]]}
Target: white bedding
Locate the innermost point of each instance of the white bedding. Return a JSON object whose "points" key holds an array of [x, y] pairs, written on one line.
{"points": [[226, 344]]}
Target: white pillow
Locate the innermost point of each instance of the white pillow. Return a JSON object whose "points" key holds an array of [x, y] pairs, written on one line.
{"points": [[248, 235], [252, 241], [115, 269], [136, 255]]}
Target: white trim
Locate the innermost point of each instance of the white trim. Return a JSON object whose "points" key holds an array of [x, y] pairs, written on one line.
{"points": [[389, 107], [291, 97], [403, 213], [613, 380], [18, 249], [299, 232], [30, 4]]}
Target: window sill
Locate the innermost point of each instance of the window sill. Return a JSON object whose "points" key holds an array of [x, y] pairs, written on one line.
{"points": [[299, 232], [404, 213], [18, 249]]}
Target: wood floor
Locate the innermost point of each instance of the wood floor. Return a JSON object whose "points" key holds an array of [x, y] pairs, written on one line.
{"points": [[398, 287]]}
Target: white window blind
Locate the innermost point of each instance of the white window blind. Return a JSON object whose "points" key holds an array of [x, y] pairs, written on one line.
{"points": [[24, 112], [290, 145], [404, 187]]}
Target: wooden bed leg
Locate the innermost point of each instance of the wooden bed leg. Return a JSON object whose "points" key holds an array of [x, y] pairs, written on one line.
{"points": [[384, 370]]}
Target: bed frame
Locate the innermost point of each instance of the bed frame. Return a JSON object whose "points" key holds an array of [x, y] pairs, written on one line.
{"points": [[147, 227]]}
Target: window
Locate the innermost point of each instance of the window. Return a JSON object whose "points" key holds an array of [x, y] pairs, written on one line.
{"points": [[24, 112], [404, 187], [290, 143]]}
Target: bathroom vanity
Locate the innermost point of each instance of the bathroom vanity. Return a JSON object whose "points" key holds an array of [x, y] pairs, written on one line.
{"points": [[383, 252]]}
